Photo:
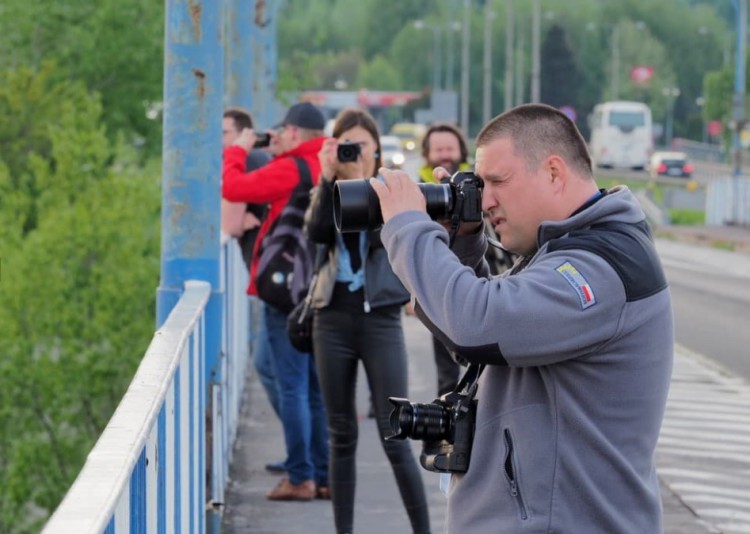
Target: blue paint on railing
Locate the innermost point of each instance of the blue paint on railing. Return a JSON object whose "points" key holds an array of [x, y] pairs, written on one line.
{"points": [[177, 456], [192, 393], [138, 496], [161, 462]]}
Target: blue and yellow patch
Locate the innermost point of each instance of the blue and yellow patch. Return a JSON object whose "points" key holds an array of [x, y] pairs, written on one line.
{"points": [[578, 283]]}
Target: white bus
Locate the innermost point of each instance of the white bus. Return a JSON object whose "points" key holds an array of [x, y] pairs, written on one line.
{"points": [[621, 135]]}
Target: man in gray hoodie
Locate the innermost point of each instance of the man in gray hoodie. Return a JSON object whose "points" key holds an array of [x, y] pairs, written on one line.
{"points": [[577, 339]]}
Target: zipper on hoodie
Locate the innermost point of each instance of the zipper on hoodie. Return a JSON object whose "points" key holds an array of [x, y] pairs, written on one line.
{"points": [[510, 474]]}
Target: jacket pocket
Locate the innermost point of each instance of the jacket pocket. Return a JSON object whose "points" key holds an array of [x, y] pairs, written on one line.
{"points": [[511, 475]]}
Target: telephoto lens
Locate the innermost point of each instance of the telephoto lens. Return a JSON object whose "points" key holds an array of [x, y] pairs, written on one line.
{"points": [[356, 206], [418, 421]]}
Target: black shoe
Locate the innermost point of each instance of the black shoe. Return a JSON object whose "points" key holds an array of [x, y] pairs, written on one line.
{"points": [[277, 468]]}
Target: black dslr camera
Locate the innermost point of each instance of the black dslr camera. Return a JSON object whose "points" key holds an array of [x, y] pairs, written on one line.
{"points": [[347, 152], [446, 427], [356, 206]]}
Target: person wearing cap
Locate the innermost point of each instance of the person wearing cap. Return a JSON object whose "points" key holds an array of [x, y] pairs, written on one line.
{"points": [[299, 135]]}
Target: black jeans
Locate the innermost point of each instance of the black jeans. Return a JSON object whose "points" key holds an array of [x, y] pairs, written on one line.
{"points": [[341, 339]]}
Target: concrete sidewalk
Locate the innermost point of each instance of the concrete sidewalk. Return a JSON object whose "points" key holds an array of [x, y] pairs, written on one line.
{"points": [[734, 238], [378, 507]]}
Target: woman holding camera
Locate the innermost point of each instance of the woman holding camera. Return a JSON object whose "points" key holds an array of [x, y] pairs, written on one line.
{"points": [[357, 303]]}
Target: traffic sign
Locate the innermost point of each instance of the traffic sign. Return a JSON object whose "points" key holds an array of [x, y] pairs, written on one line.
{"points": [[570, 112]]}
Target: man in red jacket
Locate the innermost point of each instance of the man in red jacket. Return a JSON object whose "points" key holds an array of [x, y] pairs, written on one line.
{"points": [[303, 418], [299, 135]]}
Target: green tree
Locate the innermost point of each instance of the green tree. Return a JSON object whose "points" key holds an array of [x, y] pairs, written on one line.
{"points": [[561, 76], [113, 47], [40, 110], [77, 289], [379, 74]]}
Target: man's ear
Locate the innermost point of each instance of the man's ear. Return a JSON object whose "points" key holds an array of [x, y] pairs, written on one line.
{"points": [[557, 170]]}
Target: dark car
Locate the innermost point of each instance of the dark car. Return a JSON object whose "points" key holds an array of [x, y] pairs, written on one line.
{"points": [[670, 164]]}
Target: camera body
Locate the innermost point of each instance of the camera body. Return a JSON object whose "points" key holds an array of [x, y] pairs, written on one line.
{"points": [[356, 206], [466, 189], [347, 152], [445, 426], [262, 140]]}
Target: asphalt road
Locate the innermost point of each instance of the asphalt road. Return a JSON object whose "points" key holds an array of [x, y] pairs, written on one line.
{"points": [[711, 302]]}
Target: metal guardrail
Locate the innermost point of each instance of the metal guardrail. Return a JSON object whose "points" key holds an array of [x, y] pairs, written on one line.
{"points": [[728, 202], [147, 471]]}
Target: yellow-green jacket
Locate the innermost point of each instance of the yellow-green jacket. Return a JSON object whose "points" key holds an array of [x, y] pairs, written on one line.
{"points": [[425, 173]]}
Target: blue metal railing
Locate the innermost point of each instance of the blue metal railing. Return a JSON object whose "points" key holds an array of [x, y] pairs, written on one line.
{"points": [[147, 471]]}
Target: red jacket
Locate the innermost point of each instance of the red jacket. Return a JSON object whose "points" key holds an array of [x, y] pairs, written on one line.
{"points": [[271, 184]]}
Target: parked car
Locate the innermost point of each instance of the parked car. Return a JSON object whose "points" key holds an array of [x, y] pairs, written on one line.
{"points": [[390, 147], [670, 164]]}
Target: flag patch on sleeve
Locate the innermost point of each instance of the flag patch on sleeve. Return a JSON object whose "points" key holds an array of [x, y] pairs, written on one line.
{"points": [[578, 283]]}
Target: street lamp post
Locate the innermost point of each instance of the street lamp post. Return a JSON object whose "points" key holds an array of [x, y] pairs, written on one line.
{"points": [[671, 93], [465, 69], [487, 67], [615, 62], [508, 54], [614, 79], [536, 69], [419, 25], [700, 102], [615, 52], [451, 29]]}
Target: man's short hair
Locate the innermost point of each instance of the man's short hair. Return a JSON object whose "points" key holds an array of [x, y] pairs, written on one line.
{"points": [[241, 118], [449, 128], [538, 131]]}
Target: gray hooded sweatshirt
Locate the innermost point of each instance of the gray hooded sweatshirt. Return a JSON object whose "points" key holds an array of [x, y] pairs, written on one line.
{"points": [[578, 344]]}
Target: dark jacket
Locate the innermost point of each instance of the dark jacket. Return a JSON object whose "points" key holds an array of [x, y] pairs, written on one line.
{"points": [[381, 287]]}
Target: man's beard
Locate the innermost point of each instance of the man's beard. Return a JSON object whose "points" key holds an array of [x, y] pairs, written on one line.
{"points": [[448, 165]]}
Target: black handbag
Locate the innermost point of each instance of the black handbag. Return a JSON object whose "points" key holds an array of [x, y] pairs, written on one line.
{"points": [[299, 321]]}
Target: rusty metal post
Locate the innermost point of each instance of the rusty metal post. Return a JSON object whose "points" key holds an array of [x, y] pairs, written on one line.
{"points": [[239, 53], [191, 168], [191, 178]]}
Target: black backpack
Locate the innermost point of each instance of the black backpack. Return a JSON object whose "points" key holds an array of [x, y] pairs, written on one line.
{"points": [[286, 256]]}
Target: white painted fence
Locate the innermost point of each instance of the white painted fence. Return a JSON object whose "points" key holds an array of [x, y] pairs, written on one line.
{"points": [[147, 472]]}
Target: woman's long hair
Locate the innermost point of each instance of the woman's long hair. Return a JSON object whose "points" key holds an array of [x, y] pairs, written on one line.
{"points": [[349, 118]]}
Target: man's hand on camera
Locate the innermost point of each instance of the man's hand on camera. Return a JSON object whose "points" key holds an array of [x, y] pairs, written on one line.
{"points": [[397, 193], [246, 139], [440, 174]]}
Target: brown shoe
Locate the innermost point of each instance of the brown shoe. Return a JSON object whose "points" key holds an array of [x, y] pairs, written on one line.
{"points": [[323, 492], [286, 491]]}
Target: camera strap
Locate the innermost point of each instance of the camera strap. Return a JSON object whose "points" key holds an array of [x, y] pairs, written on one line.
{"points": [[470, 381], [456, 219]]}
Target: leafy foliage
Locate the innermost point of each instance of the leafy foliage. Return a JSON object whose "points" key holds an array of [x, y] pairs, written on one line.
{"points": [[79, 251], [561, 76], [113, 47]]}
